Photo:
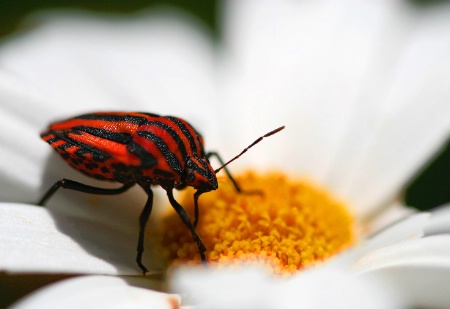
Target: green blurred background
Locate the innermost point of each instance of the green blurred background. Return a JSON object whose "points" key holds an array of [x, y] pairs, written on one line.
{"points": [[430, 188]]}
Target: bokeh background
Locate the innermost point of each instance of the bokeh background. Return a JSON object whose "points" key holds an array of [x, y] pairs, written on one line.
{"points": [[428, 189]]}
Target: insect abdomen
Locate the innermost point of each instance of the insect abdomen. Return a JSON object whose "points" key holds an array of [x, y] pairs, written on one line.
{"points": [[88, 161]]}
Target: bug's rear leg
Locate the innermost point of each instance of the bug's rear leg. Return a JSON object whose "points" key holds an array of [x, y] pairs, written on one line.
{"points": [[78, 186], [185, 218]]}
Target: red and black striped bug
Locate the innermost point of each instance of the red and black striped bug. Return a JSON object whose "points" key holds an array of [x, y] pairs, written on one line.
{"points": [[138, 148]]}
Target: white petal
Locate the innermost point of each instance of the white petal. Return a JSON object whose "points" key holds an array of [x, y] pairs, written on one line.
{"points": [[408, 228], [329, 287], [253, 288], [361, 113], [298, 64], [235, 288], [420, 286], [35, 240], [99, 292], [22, 152], [439, 221], [402, 231], [159, 62], [433, 250], [391, 214], [417, 270], [412, 121]]}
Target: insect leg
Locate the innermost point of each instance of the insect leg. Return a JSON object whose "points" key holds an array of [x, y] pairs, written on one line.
{"points": [[143, 218], [185, 218], [227, 171], [78, 186], [196, 196]]}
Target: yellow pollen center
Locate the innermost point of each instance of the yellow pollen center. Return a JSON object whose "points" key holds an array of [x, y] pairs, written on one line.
{"points": [[286, 224]]}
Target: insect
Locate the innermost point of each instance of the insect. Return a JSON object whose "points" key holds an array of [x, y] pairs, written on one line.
{"points": [[138, 148]]}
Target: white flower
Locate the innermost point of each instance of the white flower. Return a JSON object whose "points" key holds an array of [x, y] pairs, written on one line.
{"points": [[362, 88]]}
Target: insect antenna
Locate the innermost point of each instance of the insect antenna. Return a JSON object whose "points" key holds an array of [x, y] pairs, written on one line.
{"points": [[250, 146]]}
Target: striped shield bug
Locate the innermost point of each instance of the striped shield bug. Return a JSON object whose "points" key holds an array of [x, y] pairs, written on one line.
{"points": [[138, 148]]}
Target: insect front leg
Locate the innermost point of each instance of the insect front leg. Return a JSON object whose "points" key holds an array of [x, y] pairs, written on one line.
{"points": [[143, 219], [197, 214], [78, 186], [185, 218]]}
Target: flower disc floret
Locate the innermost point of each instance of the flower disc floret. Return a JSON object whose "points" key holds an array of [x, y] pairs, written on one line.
{"points": [[282, 223]]}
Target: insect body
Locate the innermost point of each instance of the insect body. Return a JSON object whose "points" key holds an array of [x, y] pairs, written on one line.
{"points": [[137, 148]]}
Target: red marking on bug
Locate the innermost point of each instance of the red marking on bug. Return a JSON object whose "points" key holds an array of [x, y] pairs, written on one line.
{"points": [[138, 148]]}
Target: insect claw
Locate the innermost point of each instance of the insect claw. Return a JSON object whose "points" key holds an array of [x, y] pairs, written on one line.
{"points": [[142, 267]]}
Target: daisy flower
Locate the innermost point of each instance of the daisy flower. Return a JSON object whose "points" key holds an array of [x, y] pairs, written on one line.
{"points": [[362, 88]]}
